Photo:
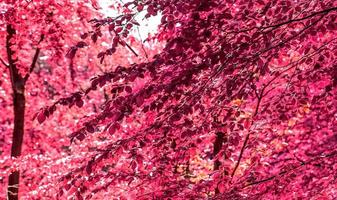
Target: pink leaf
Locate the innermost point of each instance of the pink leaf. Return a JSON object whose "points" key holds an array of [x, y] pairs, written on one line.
{"points": [[139, 100], [79, 103], [41, 117], [128, 89]]}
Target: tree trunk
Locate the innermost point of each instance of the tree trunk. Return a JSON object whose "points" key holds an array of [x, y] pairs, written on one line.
{"points": [[18, 132], [19, 103], [217, 146], [18, 88]]}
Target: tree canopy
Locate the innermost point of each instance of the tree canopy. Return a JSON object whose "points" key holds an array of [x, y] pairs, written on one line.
{"points": [[239, 103]]}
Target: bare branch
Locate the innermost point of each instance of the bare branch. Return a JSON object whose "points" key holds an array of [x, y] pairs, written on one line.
{"points": [[130, 48], [259, 99], [36, 56], [301, 164], [147, 57], [3, 62], [324, 12], [241, 154]]}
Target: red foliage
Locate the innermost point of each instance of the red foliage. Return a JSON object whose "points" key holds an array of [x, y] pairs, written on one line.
{"points": [[239, 104]]}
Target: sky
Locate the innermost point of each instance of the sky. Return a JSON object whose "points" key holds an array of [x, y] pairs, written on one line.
{"points": [[146, 25]]}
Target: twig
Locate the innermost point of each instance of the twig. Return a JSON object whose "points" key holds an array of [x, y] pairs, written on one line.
{"points": [[141, 40], [260, 181], [36, 56], [3, 62], [302, 163], [301, 19], [259, 99], [259, 96], [240, 156], [133, 51]]}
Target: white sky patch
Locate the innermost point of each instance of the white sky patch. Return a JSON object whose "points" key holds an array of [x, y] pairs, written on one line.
{"points": [[147, 26]]}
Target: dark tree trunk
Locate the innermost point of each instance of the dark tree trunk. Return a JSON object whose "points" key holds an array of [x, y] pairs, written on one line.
{"points": [[19, 102], [217, 146], [18, 132], [18, 89]]}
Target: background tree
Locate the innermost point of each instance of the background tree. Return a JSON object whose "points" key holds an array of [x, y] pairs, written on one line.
{"points": [[36, 36], [27, 28]]}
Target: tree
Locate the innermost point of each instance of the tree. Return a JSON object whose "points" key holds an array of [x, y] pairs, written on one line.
{"points": [[240, 103], [36, 36], [27, 29]]}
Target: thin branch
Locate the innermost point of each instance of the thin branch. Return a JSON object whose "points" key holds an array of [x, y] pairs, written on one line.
{"points": [[274, 26], [301, 163], [241, 154], [36, 56], [141, 40], [259, 99], [71, 69], [3, 62], [301, 19], [259, 96], [260, 181], [129, 47]]}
